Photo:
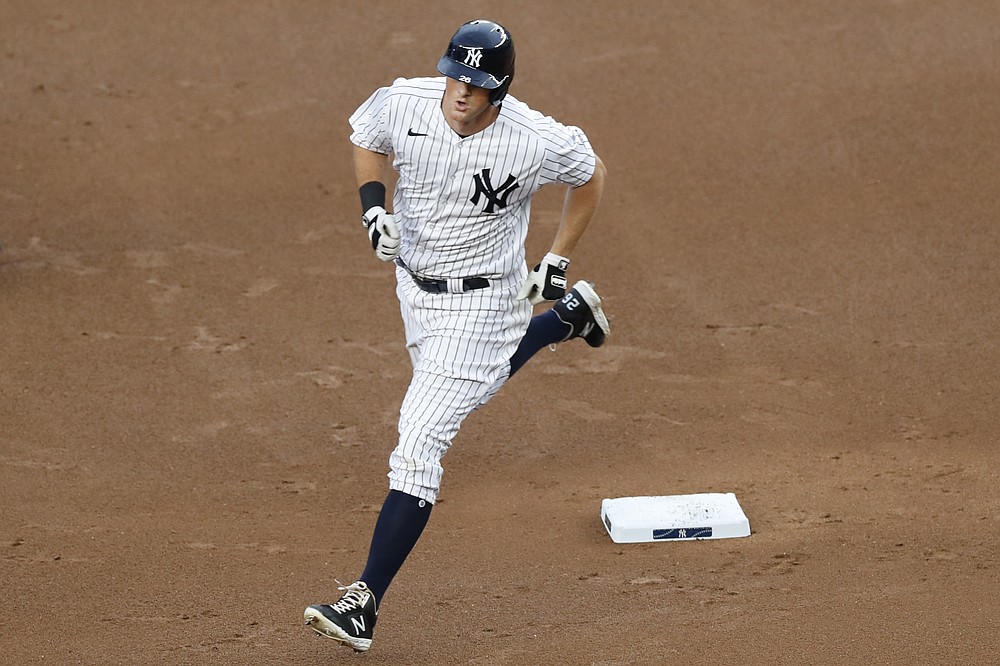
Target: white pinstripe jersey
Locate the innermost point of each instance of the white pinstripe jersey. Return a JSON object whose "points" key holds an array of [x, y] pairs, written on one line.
{"points": [[463, 204]]}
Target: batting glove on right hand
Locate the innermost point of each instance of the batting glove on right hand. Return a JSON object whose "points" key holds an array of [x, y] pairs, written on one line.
{"points": [[382, 232], [547, 282]]}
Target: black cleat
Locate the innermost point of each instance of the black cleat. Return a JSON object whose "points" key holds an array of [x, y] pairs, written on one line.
{"points": [[349, 621], [581, 309]]}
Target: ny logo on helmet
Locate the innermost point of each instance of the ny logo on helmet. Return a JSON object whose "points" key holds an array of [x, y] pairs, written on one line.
{"points": [[473, 56]]}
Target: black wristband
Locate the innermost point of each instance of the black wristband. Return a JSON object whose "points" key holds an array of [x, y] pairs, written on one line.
{"points": [[372, 194]]}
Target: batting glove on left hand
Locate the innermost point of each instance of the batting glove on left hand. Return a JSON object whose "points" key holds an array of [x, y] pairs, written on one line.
{"points": [[547, 282], [382, 232]]}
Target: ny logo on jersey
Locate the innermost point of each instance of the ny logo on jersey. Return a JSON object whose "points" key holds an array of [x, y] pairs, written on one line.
{"points": [[473, 56], [495, 196]]}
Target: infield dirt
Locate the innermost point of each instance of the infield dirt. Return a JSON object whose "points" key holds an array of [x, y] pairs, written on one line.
{"points": [[202, 362]]}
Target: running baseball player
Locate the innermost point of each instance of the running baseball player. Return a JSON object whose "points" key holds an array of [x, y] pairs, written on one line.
{"points": [[469, 157]]}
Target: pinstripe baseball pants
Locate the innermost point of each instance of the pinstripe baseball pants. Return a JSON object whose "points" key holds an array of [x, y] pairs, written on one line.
{"points": [[460, 346]]}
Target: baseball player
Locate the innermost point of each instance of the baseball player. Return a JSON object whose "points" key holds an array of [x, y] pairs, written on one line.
{"points": [[469, 158]]}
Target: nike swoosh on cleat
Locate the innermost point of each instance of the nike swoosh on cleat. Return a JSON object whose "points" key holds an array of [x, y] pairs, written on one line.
{"points": [[410, 132]]}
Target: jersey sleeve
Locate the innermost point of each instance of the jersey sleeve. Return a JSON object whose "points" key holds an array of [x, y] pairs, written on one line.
{"points": [[569, 157], [370, 123]]}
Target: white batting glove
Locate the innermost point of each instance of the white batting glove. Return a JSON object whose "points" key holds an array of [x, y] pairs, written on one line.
{"points": [[382, 232], [547, 282]]}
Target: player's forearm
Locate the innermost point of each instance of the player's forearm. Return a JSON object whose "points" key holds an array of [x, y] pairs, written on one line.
{"points": [[578, 209], [369, 166], [370, 170]]}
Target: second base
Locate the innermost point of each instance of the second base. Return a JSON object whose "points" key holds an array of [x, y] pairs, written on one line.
{"points": [[674, 518]]}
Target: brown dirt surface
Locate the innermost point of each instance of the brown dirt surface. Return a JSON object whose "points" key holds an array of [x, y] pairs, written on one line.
{"points": [[203, 364]]}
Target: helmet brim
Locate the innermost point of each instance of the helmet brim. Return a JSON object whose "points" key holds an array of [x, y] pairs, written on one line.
{"points": [[470, 75]]}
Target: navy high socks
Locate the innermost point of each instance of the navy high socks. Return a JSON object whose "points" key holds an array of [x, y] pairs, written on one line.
{"points": [[399, 525], [544, 329]]}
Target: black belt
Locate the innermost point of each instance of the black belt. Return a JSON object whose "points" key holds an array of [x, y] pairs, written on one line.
{"points": [[441, 286]]}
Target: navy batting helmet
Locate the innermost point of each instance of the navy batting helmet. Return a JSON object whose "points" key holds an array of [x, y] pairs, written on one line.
{"points": [[481, 53]]}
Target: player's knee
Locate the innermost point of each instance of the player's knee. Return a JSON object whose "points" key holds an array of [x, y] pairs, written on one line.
{"points": [[415, 477]]}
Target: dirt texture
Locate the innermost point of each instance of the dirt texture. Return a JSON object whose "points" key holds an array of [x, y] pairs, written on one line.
{"points": [[202, 362]]}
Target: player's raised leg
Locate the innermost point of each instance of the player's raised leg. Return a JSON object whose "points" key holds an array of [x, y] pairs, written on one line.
{"points": [[578, 314]]}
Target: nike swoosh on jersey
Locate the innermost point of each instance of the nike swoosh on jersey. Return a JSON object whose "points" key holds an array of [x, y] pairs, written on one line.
{"points": [[410, 132]]}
